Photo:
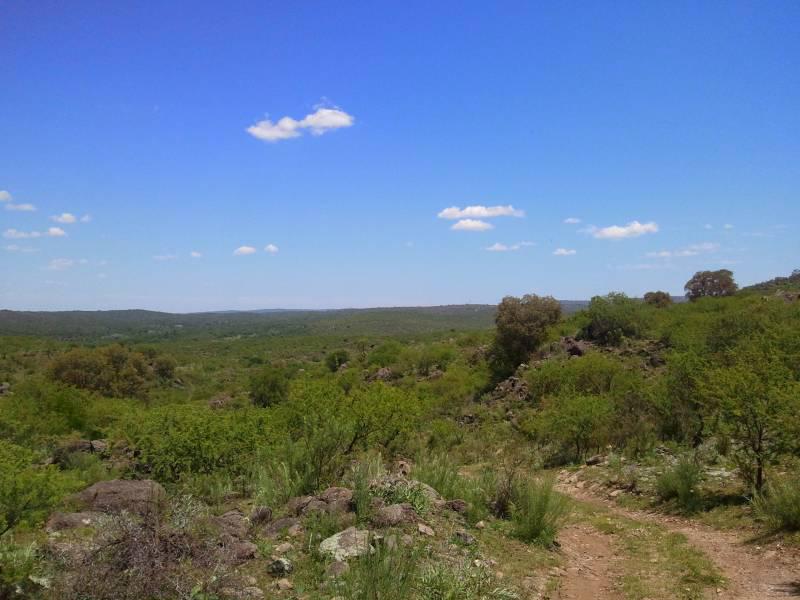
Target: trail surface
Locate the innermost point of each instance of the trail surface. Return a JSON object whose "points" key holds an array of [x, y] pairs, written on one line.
{"points": [[753, 572], [590, 568]]}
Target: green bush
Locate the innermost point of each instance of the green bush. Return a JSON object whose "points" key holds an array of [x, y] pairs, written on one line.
{"points": [[336, 359], [269, 387], [441, 473], [385, 574], [441, 581], [682, 484], [612, 318], [779, 504], [18, 571], [538, 511]]}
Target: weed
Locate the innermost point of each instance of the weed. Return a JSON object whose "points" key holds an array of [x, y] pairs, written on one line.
{"points": [[538, 511]]}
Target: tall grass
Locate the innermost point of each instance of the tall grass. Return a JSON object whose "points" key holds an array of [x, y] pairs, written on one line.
{"points": [[441, 473], [385, 574], [538, 511], [779, 504], [682, 484]]}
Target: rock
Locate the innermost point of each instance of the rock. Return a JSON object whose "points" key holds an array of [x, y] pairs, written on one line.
{"points": [[616, 493], [314, 506], [5, 388], [383, 374], [139, 497], [459, 506], [280, 527], [280, 566], [284, 585], [394, 514], [296, 505], [338, 499], [220, 401], [463, 537], [252, 592], [233, 524], [337, 568], [261, 514], [425, 530], [284, 548], [244, 550], [595, 460], [60, 521], [346, 544], [480, 525], [376, 503], [406, 540], [513, 387], [99, 446]]}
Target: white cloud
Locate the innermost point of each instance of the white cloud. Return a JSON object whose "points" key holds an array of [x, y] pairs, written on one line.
{"points": [[471, 225], [572, 220], [56, 232], [244, 251], [86, 218], [480, 212], [271, 248], [61, 264], [618, 232], [727, 226], [20, 207], [5, 196], [318, 122], [196, 254], [498, 247], [564, 252], [64, 218], [708, 226], [691, 250], [163, 257], [18, 248], [15, 234]]}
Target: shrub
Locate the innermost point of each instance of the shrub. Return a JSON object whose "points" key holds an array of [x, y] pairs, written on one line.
{"points": [[779, 504], [269, 387], [612, 318], [387, 573], [336, 359], [18, 570], [441, 473], [681, 483], [658, 299], [538, 511], [441, 581]]}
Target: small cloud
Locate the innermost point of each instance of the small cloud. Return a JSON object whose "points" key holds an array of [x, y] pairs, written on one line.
{"points": [[480, 212], [471, 225], [244, 251], [164, 257], [196, 254], [15, 234], [86, 218], [498, 247], [5, 196], [60, 264], [18, 248], [708, 226], [691, 250], [271, 249], [727, 226], [572, 220], [64, 218], [564, 252], [20, 207], [319, 122], [618, 232], [56, 232]]}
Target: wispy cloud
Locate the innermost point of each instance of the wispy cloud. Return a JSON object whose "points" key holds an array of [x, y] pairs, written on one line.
{"points": [[6, 200], [480, 212], [691, 250], [196, 254], [572, 220], [471, 225], [165, 257], [318, 122], [244, 251], [564, 252], [86, 218], [18, 248], [271, 249], [619, 232], [727, 226], [62, 264], [5, 196], [14, 234], [64, 218], [498, 247]]}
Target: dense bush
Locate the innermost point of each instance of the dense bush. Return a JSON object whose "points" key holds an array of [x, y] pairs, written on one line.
{"points": [[538, 511], [779, 504], [613, 318], [658, 299], [681, 483], [269, 386], [336, 359]]}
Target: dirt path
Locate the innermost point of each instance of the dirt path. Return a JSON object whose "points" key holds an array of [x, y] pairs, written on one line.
{"points": [[753, 572], [590, 568]]}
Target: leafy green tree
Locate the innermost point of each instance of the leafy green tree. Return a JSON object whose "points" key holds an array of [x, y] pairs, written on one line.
{"points": [[269, 386], [336, 359], [612, 318], [711, 283], [522, 325], [658, 299], [758, 399], [112, 371]]}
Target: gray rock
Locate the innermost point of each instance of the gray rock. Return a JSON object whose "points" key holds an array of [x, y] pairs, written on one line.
{"points": [[346, 544], [60, 521], [394, 514], [463, 537], [337, 568], [139, 497], [261, 514], [280, 567], [279, 527]]}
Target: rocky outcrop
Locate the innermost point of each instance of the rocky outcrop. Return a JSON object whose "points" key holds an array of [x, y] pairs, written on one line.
{"points": [[349, 543], [394, 515], [59, 521], [118, 495]]}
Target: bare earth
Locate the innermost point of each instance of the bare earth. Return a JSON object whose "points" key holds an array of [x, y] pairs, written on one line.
{"points": [[753, 572], [590, 565]]}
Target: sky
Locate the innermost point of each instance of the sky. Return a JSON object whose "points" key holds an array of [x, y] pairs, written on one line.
{"points": [[191, 156]]}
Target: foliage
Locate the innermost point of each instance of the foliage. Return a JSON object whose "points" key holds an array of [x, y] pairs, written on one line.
{"points": [[710, 283], [681, 483], [18, 570], [658, 299], [522, 325], [779, 504], [269, 386], [441, 473], [440, 581], [336, 359], [612, 318], [386, 573], [538, 511]]}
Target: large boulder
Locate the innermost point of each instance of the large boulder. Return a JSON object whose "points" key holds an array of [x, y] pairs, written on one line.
{"points": [[118, 495], [279, 527], [59, 521], [346, 544], [232, 525], [394, 515]]}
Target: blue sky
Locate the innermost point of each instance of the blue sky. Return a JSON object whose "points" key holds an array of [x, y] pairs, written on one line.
{"points": [[160, 123]]}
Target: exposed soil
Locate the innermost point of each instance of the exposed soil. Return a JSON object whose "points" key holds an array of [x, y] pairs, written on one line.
{"points": [[590, 568], [754, 571]]}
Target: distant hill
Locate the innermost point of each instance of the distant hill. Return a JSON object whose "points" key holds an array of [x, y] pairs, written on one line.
{"points": [[777, 284], [144, 324]]}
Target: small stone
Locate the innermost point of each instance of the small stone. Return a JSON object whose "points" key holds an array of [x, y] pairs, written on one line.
{"points": [[244, 550], [459, 506], [280, 566], [337, 568], [284, 585], [295, 530], [480, 525], [261, 514], [407, 540], [499, 574], [284, 548], [425, 530], [252, 593], [462, 537]]}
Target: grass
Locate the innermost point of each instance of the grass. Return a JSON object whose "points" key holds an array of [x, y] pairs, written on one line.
{"points": [[779, 505], [538, 511], [681, 483], [442, 474]]}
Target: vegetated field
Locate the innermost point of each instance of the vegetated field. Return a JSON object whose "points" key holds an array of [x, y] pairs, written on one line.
{"points": [[404, 453]]}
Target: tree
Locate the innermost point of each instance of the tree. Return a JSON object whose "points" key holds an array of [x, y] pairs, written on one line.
{"points": [[521, 328], [711, 283], [336, 359], [269, 387], [612, 318], [658, 299], [758, 398]]}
